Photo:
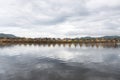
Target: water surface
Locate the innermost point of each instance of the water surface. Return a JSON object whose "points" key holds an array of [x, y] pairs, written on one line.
{"points": [[60, 62]]}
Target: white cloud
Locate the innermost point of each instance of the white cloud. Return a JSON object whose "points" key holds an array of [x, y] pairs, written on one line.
{"points": [[64, 18], [97, 4]]}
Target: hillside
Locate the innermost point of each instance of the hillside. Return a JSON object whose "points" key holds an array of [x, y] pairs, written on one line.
{"points": [[7, 35]]}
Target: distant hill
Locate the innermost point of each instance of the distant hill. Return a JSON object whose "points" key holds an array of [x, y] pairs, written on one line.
{"points": [[2, 35], [105, 37], [111, 37], [7, 35]]}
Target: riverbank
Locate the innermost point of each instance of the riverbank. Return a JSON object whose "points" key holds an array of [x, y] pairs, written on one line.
{"points": [[57, 40]]}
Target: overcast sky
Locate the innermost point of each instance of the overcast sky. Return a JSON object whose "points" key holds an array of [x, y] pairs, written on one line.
{"points": [[60, 18]]}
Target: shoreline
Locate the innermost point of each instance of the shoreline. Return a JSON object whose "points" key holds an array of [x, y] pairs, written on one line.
{"points": [[106, 45], [58, 40]]}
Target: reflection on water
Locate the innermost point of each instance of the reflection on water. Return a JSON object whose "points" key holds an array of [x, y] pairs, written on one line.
{"points": [[60, 61], [97, 45]]}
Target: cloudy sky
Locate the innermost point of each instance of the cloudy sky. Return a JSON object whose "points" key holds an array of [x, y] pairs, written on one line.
{"points": [[60, 18]]}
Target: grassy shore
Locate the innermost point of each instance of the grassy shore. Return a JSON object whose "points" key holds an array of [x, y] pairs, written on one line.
{"points": [[57, 40]]}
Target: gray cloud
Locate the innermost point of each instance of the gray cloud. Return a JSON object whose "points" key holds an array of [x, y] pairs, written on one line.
{"points": [[65, 18]]}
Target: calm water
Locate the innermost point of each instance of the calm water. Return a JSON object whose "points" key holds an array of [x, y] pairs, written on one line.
{"points": [[60, 62]]}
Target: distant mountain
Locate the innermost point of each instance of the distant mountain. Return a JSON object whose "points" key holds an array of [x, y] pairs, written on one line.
{"points": [[105, 37], [111, 37], [7, 35]]}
